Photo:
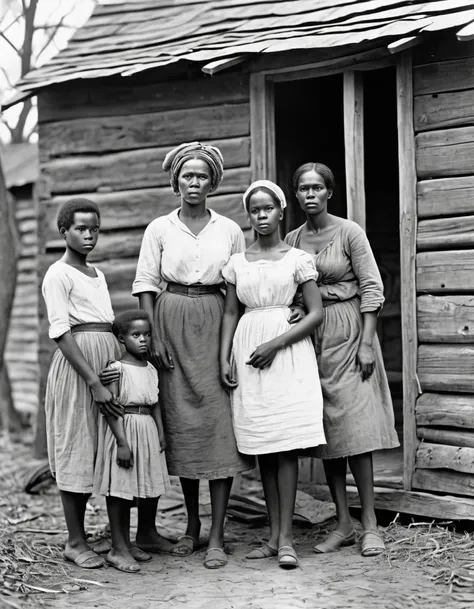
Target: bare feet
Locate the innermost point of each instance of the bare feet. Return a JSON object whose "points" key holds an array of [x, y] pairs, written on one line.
{"points": [[154, 542], [123, 561]]}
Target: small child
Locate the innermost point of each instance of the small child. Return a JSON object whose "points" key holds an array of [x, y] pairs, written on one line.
{"points": [[80, 316], [269, 364], [131, 463]]}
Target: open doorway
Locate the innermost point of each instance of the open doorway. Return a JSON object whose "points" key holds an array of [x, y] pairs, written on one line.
{"points": [[309, 126]]}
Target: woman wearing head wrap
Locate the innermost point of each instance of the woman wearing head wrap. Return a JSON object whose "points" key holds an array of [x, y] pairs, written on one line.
{"points": [[178, 282]]}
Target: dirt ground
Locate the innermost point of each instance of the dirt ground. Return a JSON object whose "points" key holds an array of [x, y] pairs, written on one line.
{"points": [[32, 532]]}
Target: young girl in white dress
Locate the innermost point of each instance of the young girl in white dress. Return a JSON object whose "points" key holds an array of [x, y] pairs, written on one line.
{"points": [[130, 462], [270, 365]]}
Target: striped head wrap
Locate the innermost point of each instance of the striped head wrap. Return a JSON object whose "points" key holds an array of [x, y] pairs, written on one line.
{"points": [[176, 158], [276, 190]]}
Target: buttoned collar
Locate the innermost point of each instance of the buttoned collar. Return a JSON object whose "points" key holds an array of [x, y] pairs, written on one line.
{"points": [[174, 218]]}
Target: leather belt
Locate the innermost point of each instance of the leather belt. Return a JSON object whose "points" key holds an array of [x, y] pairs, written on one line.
{"points": [[137, 409], [192, 290], [92, 327]]}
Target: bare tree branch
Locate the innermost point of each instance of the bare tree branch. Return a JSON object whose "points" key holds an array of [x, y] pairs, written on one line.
{"points": [[7, 78], [17, 133], [51, 36], [17, 51]]}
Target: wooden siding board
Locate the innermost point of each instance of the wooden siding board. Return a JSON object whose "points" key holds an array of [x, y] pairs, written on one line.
{"points": [[445, 197], [450, 437], [443, 153], [453, 75], [453, 109], [446, 233], [446, 368], [445, 410], [445, 319], [441, 456], [129, 132], [445, 272], [444, 481], [120, 97]]}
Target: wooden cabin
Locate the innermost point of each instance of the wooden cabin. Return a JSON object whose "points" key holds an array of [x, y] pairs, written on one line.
{"points": [[20, 166], [380, 90]]}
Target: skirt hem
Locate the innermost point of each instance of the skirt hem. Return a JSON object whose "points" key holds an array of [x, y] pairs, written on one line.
{"points": [[344, 455], [229, 473]]}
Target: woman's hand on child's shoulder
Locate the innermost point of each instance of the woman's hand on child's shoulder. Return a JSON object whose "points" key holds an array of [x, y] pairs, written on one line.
{"points": [[124, 456], [105, 400], [227, 377]]}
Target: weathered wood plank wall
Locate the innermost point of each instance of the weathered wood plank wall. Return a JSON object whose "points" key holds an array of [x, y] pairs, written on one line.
{"points": [[107, 142], [21, 353], [444, 123]]}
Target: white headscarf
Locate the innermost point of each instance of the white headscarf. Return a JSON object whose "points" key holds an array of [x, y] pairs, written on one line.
{"points": [[276, 190]]}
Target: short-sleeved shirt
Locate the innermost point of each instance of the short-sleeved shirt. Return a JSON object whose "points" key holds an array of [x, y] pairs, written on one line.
{"points": [[170, 252], [73, 298]]}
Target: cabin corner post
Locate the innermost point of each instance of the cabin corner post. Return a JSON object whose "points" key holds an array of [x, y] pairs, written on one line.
{"points": [[354, 146], [408, 228], [262, 127]]}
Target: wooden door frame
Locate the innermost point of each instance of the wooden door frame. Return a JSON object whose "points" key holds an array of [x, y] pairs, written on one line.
{"points": [[262, 129]]}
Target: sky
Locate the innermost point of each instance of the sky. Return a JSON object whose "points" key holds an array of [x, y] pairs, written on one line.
{"points": [[48, 12]]}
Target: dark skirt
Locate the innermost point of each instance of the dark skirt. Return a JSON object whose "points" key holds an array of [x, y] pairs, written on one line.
{"points": [[200, 441]]}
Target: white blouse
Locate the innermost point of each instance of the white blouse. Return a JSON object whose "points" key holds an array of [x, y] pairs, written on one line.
{"points": [[73, 298], [171, 252]]}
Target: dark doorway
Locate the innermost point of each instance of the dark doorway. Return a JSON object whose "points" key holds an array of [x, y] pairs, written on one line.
{"points": [[309, 126]]}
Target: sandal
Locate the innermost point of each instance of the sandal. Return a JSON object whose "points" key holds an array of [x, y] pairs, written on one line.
{"points": [[86, 560], [139, 555], [215, 558], [264, 551], [372, 543], [186, 543], [334, 541], [287, 558], [122, 564]]}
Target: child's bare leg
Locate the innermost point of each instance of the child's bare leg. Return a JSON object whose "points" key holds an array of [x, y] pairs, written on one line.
{"points": [[287, 483], [269, 474], [148, 537], [220, 491], [363, 471], [119, 556], [74, 507], [336, 470]]}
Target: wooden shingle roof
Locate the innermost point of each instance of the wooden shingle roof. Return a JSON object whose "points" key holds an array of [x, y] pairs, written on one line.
{"points": [[136, 35]]}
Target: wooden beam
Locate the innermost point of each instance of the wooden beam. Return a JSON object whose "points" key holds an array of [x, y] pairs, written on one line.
{"points": [[407, 186], [262, 128], [466, 33], [453, 75], [446, 233], [403, 44], [446, 368], [450, 437], [445, 272], [223, 64], [354, 146], [440, 456], [445, 410], [451, 109], [408, 502], [433, 195], [444, 481], [445, 319]]}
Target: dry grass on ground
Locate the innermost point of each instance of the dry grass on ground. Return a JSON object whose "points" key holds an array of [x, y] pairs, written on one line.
{"points": [[33, 573]]}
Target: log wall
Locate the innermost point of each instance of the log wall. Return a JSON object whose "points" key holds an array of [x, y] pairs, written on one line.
{"points": [[21, 352], [444, 125], [107, 142]]}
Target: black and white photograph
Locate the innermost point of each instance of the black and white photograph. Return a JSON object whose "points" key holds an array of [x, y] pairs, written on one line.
{"points": [[236, 304]]}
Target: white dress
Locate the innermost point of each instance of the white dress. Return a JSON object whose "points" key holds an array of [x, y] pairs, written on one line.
{"points": [[279, 408], [148, 477]]}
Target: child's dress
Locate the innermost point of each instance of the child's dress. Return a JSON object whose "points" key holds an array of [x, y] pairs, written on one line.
{"points": [[72, 418], [279, 408], [148, 477]]}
